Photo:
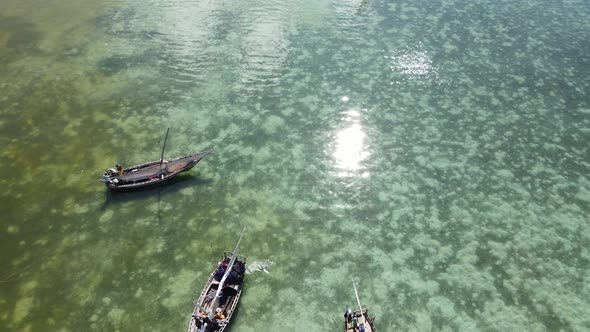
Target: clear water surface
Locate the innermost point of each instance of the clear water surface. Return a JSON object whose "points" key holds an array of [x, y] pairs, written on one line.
{"points": [[436, 152]]}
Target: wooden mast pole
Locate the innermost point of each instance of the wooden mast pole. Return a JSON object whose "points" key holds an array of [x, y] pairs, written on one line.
{"points": [[361, 317], [225, 275], [357, 298], [163, 147]]}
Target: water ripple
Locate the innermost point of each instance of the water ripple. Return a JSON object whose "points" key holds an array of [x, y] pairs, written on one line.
{"points": [[187, 39], [265, 45], [348, 14]]}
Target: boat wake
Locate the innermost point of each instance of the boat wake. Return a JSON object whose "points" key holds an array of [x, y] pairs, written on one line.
{"points": [[258, 266]]}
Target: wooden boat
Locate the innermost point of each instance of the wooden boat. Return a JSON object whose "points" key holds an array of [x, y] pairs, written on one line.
{"points": [[151, 172], [218, 301], [358, 320]]}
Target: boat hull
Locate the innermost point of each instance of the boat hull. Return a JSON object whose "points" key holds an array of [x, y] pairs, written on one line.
{"points": [[154, 172], [228, 306]]}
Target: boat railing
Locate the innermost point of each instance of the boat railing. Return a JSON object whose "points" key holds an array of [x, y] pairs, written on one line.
{"points": [[241, 258]]}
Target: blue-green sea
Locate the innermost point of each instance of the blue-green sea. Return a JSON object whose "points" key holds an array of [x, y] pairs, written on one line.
{"points": [[435, 152]]}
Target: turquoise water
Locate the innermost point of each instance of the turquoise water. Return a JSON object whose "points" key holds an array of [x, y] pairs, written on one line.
{"points": [[436, 152]]}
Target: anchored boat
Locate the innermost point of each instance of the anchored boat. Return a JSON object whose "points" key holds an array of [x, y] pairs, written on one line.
{"points": [[151, 172], [218, 301], [358, 320]]}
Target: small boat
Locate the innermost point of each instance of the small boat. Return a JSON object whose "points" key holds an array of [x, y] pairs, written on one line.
{"points": [[218, 301], [358, 320], [151, 172]]}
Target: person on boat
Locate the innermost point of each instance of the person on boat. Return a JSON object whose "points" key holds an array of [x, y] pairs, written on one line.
{"points": [[218, 314], [106, 177], [112, 172], [362, 327], [120, 169], [348, 315]]}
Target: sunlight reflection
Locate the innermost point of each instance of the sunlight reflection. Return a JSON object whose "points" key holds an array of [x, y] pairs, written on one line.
{"points": [[412, 64], [351, 149]]}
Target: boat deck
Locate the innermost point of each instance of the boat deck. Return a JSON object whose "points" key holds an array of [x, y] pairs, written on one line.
{"points": [[355, 321]]}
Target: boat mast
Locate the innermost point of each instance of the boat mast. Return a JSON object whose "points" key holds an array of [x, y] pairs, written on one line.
{"points": [[357, 298], [228, 269], [361, 316], [163, 147]]}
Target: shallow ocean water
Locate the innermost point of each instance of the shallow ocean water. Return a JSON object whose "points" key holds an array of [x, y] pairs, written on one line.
{"points": [[436, 152]]}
